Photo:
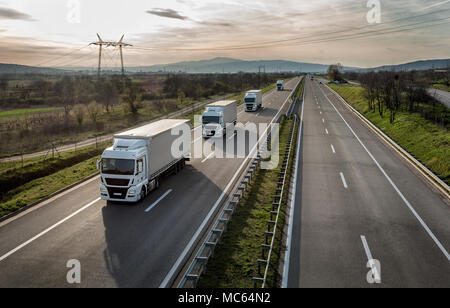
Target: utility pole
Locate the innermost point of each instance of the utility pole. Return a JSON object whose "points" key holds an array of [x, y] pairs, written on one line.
{"points": [[106, 44]]}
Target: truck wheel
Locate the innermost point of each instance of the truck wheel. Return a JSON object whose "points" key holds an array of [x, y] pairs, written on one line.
{"points": [[143, 193]]}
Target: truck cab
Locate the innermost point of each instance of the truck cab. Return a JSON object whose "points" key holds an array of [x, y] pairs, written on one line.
{"points": [[280, 85], [123, 168], [253, 100], [217, 118]]}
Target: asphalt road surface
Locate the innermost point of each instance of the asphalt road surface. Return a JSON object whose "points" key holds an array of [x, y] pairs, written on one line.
{"points": [[120, 245], [358, 200], [440, 95]]}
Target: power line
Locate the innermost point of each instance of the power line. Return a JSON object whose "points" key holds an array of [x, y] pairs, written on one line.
{"points": [[271, 43]]}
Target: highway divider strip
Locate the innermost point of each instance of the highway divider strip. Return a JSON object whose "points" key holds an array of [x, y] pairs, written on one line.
{"points": [[427, 173], [279, 196]]}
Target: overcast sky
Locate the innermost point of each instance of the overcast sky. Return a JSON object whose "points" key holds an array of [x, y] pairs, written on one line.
{"points": [[44, 32]]}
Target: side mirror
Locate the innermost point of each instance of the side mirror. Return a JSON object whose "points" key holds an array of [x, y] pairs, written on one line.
{"points": [[98, 163], [140, 167]]}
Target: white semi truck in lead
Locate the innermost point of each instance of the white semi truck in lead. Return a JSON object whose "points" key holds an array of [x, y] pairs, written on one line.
{"points": [[139, 158], [218, 118], [253, 100]]}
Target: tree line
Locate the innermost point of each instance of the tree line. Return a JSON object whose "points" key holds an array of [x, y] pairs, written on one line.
{"points": [[389, 92]]}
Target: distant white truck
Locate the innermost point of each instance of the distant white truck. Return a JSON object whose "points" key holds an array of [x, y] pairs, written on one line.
{"points": [[253, 100], [280, 85], [134, 165], [218, 118]]}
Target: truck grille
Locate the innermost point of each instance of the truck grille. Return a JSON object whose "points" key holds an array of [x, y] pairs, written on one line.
{"points": [[117, 182], [117, 193]]}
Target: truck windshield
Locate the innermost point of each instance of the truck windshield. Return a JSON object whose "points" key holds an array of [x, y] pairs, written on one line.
{"points": [[249, 100], [118, 166], [207, 120]]}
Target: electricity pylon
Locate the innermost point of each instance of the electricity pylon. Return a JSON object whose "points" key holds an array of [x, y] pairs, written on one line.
{"points": [[101, 43]]}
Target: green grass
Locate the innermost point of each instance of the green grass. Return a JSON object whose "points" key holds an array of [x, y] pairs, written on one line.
{"points": [[19, 112], [38, 178], [441, 86], [426, 141], [235, 259], [45, 186]]}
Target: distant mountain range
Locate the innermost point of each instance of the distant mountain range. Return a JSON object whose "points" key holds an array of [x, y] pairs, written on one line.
{"points": [[418, 66], [225, 65], [23, 69], [228, 65]]}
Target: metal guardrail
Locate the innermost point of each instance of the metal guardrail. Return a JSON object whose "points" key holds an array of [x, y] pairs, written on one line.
{"points": [[272, 224], [206, 251]]}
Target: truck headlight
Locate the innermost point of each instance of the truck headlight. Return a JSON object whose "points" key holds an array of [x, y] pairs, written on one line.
{"points": [[132, 192], [103, 190]]}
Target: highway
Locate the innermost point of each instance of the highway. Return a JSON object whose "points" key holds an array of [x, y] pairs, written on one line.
{"points": [[356, 199], [121, 245]]}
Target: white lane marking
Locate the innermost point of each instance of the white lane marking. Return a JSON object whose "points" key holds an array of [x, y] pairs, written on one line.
{"points": [[287, 254], [366, 248], [197, 233], [332, 149], [369, 256], [208, 157], [321, 113], [158, 201], [413, 211], [344, 182], [323, 120], [326, 130], [258, 114], [48, 230]]}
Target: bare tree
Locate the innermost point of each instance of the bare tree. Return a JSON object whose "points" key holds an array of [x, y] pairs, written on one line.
{"points": [[132, 98], [79, 112], [335, 72], [94, 110]]}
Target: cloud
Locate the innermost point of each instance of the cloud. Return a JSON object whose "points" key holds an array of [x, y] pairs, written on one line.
{"points": [[7, 13], [168, 13], [215, 23]]}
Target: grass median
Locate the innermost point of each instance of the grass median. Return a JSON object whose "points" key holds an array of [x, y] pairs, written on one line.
{"points": [[424, 140], [235, 259]]}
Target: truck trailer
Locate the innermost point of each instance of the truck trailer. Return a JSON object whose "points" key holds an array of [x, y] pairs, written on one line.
{"points": [[218, 118], [138, 159], [253, 100]]}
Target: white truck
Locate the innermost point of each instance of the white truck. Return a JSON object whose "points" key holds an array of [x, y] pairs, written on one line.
{"points": [[253, 100], [218, 118], [280, 85], [134, 165]]}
